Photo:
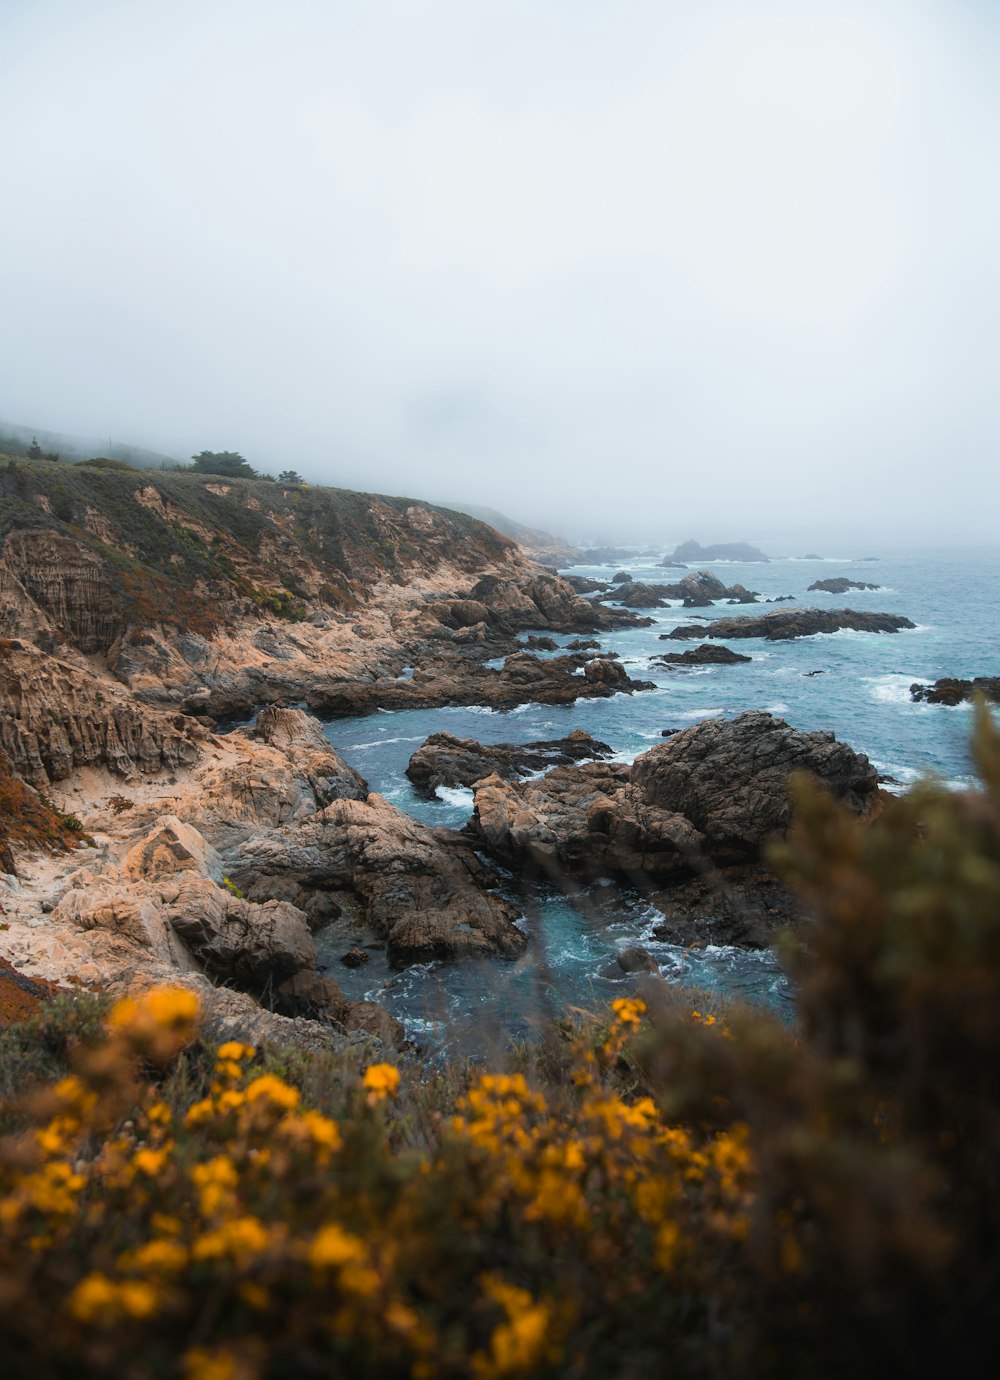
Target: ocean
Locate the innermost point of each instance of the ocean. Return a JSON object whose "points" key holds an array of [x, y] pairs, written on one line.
{"points": [[851, 683]]}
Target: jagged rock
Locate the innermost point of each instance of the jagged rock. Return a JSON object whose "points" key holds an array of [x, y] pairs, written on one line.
{"points": [[718, 789], [583, 644], [951, 692], [545, 601], [785, 624], [622, 578], [221, 703], [637, 595], [697, 590], [421, 891], [355, 957], [444, 760], [255, 947], [839, 584], [729, 778], [541, 644], [705, 655], [523, 677]]}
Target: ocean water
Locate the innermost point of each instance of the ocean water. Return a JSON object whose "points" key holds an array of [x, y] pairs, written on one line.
{"points": [[861, 694]]}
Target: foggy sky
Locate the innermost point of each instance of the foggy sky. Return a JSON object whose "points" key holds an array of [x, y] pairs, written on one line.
{"points": [[715, 269]]}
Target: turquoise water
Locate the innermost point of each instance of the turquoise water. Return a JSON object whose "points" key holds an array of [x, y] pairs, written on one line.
{"points": [[862, 695]]}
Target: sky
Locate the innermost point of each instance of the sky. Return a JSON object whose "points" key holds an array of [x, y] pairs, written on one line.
{"points": [[622, 268]]}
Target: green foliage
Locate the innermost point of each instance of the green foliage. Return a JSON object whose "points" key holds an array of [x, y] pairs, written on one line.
{"points": [[232, 888], [226, 462], [104, 462], [290, 477]]}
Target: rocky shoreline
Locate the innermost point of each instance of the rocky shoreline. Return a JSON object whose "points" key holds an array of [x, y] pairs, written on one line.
{"points": [[215, 857]]}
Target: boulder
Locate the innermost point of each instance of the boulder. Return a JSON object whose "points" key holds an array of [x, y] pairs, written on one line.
{"points": [[729, 778]]}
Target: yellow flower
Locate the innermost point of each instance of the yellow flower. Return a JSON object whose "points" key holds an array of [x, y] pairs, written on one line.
{"points": [[94, 1299], [268, 1088], [160, 1257], [239, 1240], [210, 1363], [628, 1010], [232, 1049], [151, 1162], [332, 1246], [381, 1081]]}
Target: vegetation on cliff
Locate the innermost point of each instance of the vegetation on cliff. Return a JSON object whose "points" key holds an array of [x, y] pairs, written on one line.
{"points": [[657, 1188], [184, 547]]}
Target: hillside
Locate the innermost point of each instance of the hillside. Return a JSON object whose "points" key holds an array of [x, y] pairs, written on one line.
{"points": [[195, 549]]}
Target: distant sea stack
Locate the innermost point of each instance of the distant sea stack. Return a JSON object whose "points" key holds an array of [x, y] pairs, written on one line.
{"points": [[692, 551]]}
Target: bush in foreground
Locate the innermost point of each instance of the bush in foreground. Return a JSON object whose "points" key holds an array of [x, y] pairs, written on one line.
{"points": [[661, 1190]]}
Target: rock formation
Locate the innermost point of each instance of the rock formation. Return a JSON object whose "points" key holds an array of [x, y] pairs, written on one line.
{"points": [[839, 584], [705, 655], [709, 797], [951, 692], [696, 590], [690, 551], [785, 624], [444, 760]]}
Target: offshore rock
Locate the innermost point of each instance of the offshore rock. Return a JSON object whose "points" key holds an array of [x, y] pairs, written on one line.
{"points": [[839, 584], [951, 692], [705, 655], [784, 624], [444, 760]]}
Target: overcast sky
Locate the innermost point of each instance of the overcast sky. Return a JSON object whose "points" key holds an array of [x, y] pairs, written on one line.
{"points": [[703, 269]]}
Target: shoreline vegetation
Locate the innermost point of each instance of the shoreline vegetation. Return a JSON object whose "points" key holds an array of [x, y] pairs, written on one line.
{"points": [[659, 1180]]}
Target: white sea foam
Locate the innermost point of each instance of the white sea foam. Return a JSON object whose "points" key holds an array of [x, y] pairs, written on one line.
{"points": [[457, 796], [378, 742], [776, 709], [891, 689]]}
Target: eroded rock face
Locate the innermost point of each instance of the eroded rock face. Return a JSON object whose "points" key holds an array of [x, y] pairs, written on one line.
{"points": [[55, 715], [952, 692], [716, 791], [444, 760], [784, 624]]}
